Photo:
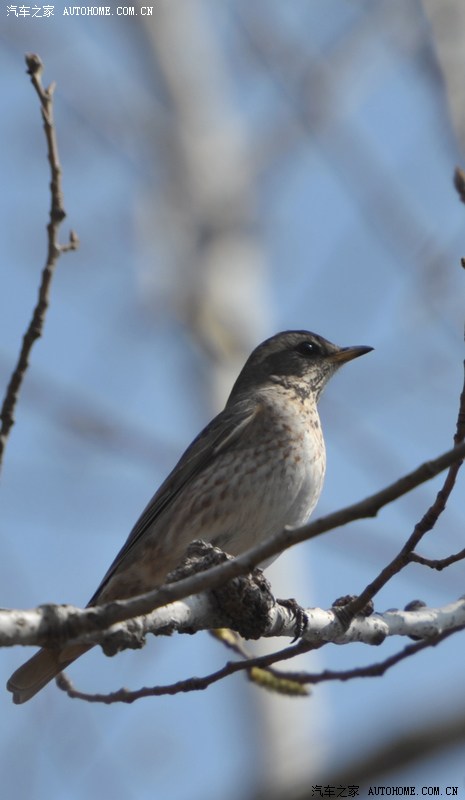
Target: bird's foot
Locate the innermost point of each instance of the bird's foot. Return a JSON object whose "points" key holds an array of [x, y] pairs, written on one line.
{"points": [[301, 618]]}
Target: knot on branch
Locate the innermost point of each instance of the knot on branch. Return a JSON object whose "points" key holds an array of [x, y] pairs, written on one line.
{"points": [[130, 636], [349, 606], [244, 602]]}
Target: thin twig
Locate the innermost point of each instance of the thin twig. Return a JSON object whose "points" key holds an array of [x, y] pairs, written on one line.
{"points": [[188, 685], [54, 250], [437, 563], [426, 524]]}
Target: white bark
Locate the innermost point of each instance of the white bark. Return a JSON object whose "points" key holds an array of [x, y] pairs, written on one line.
{"points": [[198, 612]]}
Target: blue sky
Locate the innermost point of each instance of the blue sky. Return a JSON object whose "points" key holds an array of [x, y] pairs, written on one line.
{"points": [[358, 235]]}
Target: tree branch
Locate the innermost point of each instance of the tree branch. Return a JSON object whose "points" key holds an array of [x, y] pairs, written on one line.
{"points": [[435, 624], [73, 623], [54, 626], [437, 563], [426, 524], [54, 250]]}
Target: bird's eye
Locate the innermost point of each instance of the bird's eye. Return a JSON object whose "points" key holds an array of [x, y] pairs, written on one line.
{"points": [[308, 349]]}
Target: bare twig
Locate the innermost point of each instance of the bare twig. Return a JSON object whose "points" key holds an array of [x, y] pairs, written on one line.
{"points": [[427, 523], [438, 563], [57, 215], [183, 686]]}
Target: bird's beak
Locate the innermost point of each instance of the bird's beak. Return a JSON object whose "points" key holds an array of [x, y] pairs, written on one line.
{"points": [[348, 353]]}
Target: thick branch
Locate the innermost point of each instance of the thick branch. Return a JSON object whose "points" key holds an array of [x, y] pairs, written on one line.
{"points": [[55, 625]]}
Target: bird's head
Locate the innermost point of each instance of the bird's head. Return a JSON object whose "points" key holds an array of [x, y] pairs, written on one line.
{"points": [[298, 359]]}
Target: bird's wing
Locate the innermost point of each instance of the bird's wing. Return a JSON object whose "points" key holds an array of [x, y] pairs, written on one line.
{"points": [[221, 433]]}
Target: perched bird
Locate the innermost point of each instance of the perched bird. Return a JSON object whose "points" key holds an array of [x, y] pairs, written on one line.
{"points": [[257, 467]]}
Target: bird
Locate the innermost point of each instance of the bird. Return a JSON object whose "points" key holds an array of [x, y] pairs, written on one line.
{"points": [[257, 467]]}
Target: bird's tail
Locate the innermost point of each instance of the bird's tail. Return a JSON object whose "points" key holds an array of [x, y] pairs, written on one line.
{"points": [[45, 665]]}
